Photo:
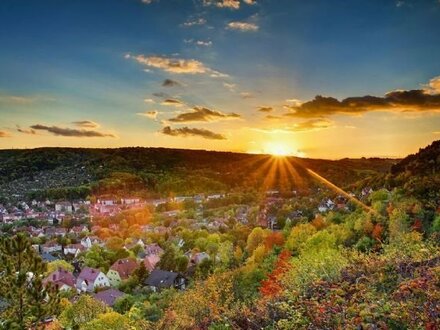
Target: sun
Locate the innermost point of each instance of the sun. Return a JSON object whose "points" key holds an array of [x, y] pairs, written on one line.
{"points": [[278, 149]]}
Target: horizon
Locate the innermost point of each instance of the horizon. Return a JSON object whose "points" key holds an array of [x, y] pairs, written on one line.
{"points": [[315, 80], [220, 151]]}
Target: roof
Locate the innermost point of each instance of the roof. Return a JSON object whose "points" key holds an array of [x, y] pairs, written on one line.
{"points": [[48, 257], [60, 277], [109, 296], [151, 261], [89, 274], [125, 267], [161, 278]]}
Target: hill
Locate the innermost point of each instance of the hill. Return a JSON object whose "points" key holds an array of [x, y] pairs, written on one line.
{"points": [[417, 175], [72, 172]]}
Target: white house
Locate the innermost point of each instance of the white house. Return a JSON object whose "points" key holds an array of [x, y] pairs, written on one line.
{"points": [[90, 279]]}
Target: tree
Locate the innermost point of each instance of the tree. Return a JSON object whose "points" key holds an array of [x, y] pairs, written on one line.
{"points": [[28, 302], [54, 265], [108, 321], [255, 238], [84, 310]]}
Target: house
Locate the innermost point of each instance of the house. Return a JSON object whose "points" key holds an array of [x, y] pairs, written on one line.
{"points": [[90, 278], [79, 229], [64, 207], [199, 257], [153, 249], [121, 270], [89, 241], [62, 279], [108, 296], [160, 279], [74, 249], [131, 245], [130, 201], [47, 257], [50, 247], [150, 261]]}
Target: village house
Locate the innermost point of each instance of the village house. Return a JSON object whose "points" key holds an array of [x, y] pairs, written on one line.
{"points": [[63, 207], [74, 249], [62, 279], [51, 247], [162, 279], [121, 270], [108, 296], [150, 261], [130, 201], [90, 279], [153, 249]]}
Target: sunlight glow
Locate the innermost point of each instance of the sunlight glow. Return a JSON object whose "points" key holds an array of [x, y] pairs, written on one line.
{"points": [[278, 149]]}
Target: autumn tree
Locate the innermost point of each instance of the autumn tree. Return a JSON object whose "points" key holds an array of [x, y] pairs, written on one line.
{"points": [[28, 302], [81, 312]]}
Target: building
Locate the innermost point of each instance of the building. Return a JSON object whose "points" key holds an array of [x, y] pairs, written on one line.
{"points": [[108, 296], [62, 279], [121, 270], [161, 279], [90, 279], [64, 207]]}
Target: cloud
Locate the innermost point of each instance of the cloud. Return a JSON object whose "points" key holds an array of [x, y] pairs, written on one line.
{"points": [[272, 117], [194, 22], [200, 43], [149, 100], [242, 26], [7, 99], [4, 134], [26, 131], [246, 95], [201, 114], [433, 87], [172, 102], [70, 132], [175, 65], [149, 114], [231, 4], [250, 2], [311, 125], [417, 100], [265, 109], [86, 124], [231, 87], [170, 83], [187, 132]]}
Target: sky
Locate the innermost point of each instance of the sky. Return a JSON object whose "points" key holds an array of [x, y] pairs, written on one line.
{"points": [[320, 79]]}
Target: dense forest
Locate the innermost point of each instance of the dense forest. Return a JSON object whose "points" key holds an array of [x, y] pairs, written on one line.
{"points": [[75, 173]]}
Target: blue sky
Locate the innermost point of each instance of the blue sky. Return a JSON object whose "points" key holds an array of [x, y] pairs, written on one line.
{"points": [[72, 67]]}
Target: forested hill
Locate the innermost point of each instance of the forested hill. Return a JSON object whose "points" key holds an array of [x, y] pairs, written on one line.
{"points": [[162, 170], [417, 175]]}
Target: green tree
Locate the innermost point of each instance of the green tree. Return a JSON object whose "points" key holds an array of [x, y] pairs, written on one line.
{"points": [[28, 302], [84, 310]]}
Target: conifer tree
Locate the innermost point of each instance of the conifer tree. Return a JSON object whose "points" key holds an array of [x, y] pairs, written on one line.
{"points": [[27, 301]]}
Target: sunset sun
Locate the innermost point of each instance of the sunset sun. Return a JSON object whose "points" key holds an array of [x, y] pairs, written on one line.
{"points": [[279, 150]]}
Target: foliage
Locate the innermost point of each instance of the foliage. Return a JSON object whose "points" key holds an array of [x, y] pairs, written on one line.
{"points": [[28, 302]]}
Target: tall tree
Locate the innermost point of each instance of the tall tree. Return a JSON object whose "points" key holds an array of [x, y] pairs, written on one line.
{"points": [[28, 302]]}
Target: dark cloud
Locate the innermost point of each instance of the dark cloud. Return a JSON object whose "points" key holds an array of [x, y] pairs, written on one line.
{"points": [[172, 102], [186, 132], [4, 134], [60, 131], [265, 109], [170, 83], [86, 124], [399, 100], [26, 131], [203, 114], [161, 95]]}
